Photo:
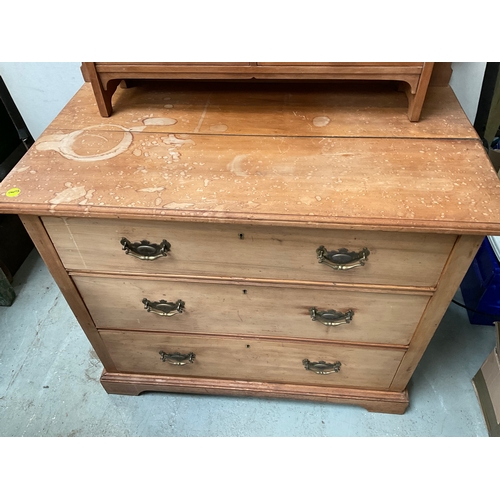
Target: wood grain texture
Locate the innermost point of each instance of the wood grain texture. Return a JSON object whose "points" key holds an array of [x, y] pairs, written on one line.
{"points": [[331, 71], [427, 185], [416, 101], [355, 109], [106, 76], [441, 74], [42, 242], [408, 67], [373, 401], [252, 359], [226, 308], [460, 259], [397, 259], [85, 72], [103, 91]]}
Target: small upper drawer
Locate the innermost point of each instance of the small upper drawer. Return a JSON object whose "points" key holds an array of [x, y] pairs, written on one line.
{"points": [[257, 252]]}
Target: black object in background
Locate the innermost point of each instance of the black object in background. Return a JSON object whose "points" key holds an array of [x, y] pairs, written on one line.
{"points": [[484, 107], [15, 140]]}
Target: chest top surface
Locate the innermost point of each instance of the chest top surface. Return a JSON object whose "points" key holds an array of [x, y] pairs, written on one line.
{"points": [[323, 155]]}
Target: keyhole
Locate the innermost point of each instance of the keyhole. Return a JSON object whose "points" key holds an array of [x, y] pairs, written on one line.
{"points": [[244, 292], [241, 236], [248, 345]]}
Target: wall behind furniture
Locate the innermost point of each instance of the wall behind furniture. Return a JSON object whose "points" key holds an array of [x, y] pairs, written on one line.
{"points": [[466, 81], [40, 90]]}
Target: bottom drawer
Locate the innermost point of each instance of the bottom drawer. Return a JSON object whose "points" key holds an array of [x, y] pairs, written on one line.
{"points": [[253, 360]]}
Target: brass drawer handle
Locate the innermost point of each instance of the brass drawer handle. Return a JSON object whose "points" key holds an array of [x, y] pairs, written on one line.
{"points": [[342, 259], [331, 317], [164, 308], [145, 250], [321, 367], [177, 358]]}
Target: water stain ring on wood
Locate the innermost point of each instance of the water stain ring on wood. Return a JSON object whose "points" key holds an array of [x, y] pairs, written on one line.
{"points": [[65, 144]]}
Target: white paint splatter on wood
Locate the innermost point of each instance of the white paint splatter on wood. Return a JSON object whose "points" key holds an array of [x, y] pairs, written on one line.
{"points": [[218, 128], [175, 141], [235, 165], [68, 195], [321, 121], [159, 121], [151, 190]]}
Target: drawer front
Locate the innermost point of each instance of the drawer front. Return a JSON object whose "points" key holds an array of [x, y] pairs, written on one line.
{"points": [[251, 309], [251, 359], [258, 252], [352, 66]]}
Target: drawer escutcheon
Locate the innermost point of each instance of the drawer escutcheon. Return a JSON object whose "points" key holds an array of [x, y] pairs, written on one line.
{"points": [[144, 250]]}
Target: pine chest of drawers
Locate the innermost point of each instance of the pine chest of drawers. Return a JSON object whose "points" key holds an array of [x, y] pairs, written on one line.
{"points": [[287, 241]]}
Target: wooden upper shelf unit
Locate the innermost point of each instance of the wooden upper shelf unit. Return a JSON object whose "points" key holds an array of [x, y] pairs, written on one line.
{"points": [[106, 76]]}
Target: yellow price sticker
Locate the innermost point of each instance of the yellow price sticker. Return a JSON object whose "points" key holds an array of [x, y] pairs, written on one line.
{"points": [[12, 193]]}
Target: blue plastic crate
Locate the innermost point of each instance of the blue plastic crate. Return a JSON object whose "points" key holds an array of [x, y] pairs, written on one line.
{"points": [[481, 287]]}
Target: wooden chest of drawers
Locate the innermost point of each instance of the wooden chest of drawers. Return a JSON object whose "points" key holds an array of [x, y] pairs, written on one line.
{"points": [[282, 241]]}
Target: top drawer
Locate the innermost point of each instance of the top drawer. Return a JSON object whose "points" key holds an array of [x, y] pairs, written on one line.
{"points": [[257, 252]]}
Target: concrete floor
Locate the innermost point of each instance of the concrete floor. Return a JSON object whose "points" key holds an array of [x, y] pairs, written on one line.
{"points": [[49, 385]]}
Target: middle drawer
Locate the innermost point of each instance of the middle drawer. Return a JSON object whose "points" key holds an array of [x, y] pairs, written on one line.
{"points": [[251, 309]]}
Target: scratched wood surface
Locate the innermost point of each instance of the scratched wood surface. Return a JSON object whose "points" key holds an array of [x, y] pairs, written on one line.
{"points": [[258, 252], [226, 308], [253, 359], [357, 109], [371, 183]]}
